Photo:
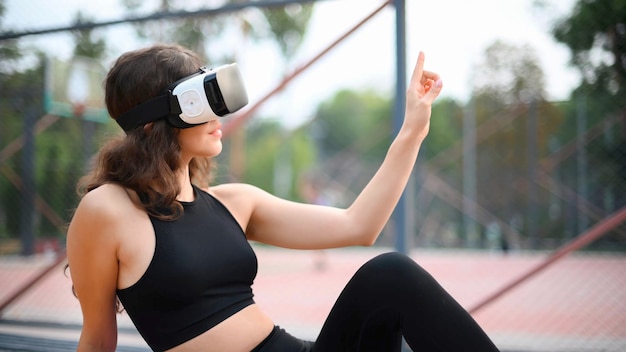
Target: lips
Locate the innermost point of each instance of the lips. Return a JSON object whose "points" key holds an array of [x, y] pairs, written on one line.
{"points": [[217, 133]]}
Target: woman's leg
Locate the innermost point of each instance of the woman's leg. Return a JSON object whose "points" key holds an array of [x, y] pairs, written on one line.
{"points": [[391, 296]]}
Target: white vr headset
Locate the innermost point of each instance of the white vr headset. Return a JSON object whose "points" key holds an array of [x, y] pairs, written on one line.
{"points": [[196, 99]]}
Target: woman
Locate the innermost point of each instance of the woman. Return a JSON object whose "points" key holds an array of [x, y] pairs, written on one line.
{"points": [[150, 231]]}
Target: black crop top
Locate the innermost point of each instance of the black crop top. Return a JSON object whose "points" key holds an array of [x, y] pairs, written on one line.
{"points": [[201, 273]]}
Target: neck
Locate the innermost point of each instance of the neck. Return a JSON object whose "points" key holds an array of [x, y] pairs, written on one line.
{"points": [[184, 181]]}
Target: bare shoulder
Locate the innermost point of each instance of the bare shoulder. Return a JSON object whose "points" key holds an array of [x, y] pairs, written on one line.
{"points": [[233, 190], [108, 200], [240, 194], [241, 199], [236, 194], [250, 195], [106, 209], [102, 222]]}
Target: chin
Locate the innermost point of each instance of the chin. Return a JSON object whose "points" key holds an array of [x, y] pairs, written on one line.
{"points": [[215, 151]]}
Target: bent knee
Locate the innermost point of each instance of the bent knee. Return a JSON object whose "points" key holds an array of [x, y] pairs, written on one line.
{"points": [[393, 265], [394, 277], [391, 260]]}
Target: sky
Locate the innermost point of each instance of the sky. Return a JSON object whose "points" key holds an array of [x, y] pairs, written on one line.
{"points": [[452, 33]]}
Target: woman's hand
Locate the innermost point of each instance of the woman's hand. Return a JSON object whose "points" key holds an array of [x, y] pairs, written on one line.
{"points": [[423, 89]]}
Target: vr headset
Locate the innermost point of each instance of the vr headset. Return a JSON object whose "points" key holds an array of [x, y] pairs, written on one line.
{"points": [[196, 99]]}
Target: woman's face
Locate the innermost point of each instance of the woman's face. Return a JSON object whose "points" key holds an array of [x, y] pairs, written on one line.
{"points": [[201, 141]]}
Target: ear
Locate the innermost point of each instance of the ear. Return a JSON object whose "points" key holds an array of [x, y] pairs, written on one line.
{"points": [[148, 127]]}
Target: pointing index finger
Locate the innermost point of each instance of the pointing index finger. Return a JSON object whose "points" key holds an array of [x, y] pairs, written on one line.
{"points": [[418, 70]]}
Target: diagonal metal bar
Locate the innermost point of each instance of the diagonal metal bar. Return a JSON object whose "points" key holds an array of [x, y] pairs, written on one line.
{"points": [[42, 124], [582, 240], [486, 129], [570, 148], [449, 194], [239, 119], [571, 196], [40, 203], [17, 144], [60, 257], [544, 180]]}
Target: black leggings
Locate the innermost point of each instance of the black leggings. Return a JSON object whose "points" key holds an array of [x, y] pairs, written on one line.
{"points": [[390, 297]]}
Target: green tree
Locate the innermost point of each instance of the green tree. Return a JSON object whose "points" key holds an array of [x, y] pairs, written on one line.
{"points": [[9, 215], [595, 34], [21, 96], [270, 148], [446, 127], [509, 75], [286, 25], [352, 131], [64, 148], [87, 44], [9, 50], [509, 91], [355, 121]]}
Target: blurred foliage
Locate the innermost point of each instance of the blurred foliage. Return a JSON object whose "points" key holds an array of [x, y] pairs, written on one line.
{"points": [[352, 132], [288, 25], [595, 33], [359, 121], [85, 43], [509, 75], [267, 149], [17, 100], [285, 25], [58, 161], [9, 50]]}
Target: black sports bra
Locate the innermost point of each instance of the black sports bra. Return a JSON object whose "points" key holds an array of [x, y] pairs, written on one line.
{"points": [[201, 273]]}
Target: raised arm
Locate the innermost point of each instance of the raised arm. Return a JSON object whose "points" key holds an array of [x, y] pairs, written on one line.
{"points": [[293, 225], [374, 205]]}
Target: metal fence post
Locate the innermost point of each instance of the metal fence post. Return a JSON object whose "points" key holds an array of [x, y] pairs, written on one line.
{"points": [[400, 213], [27, 214]]}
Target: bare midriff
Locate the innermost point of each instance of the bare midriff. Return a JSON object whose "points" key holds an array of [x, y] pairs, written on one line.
{"points": [[241, 332]]}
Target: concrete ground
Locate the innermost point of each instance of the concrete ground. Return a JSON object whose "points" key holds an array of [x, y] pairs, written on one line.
{"points": [[576, 305]]}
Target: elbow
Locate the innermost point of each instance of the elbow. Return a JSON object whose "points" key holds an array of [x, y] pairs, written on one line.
{"points": [[365, 228], [364, 235], [103, 347], [363, 231], [88, 342], [368, 242], [367, 238]]}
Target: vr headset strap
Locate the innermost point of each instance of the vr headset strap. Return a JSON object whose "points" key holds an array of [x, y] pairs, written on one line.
{"points": [[157, 108]]}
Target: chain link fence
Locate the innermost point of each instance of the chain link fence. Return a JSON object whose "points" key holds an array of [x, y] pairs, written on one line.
{"points": [[536, 182]]}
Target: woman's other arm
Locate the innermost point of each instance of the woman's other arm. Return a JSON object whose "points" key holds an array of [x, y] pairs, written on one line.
{"points": [[93, 265]]}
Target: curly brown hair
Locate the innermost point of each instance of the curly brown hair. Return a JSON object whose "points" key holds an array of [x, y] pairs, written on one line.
{"points": [[146, 159]]}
